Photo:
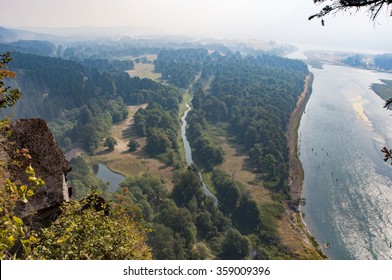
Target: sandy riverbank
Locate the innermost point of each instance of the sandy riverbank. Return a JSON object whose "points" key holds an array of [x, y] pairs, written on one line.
{"points": [[296, 172]]}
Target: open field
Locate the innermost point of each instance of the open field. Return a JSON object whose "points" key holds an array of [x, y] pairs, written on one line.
{"points": [[145, 70], [131, 164], [235, 164]]}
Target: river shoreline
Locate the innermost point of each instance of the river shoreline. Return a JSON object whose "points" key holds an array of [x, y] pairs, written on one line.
{"points": [[296, 172]]}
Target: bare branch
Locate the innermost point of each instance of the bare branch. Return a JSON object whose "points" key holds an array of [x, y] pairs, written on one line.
{"points": [[374, 7]]}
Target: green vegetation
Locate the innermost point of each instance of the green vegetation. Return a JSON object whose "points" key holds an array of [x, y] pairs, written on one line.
{"points": [[180, 67], [185, 224], [110, 143], [161, 127], [83, 233], [89, 229], [133, 145], [244, 100], [82, 179]]}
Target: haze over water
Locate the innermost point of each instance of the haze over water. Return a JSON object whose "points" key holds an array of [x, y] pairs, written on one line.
{"points": [[347, 186]]}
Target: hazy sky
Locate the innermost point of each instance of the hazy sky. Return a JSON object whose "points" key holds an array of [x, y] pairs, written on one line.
{"points": [[280, 20]]}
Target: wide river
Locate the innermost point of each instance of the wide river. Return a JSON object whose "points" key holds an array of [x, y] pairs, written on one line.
{"points": [[347, 186]]}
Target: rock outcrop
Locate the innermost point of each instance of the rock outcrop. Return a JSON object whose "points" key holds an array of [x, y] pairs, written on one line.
{"points": [[31, 142]]}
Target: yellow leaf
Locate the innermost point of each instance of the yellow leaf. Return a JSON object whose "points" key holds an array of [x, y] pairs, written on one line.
{"points": [[23, 188], [30, 193], [62, 239], [32, 178], [17, 221], [29, 170], [11, 240]]}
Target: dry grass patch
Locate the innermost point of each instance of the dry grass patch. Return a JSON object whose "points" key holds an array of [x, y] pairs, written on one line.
{"points": [[235, 165], [294, 241], [145, 70]]}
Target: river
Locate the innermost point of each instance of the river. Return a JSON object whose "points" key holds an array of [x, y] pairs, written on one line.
{"points": [[347, 185], [188, 151]]}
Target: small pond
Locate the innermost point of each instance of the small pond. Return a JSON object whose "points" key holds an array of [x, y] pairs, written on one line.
{"points": [[106, 175]]}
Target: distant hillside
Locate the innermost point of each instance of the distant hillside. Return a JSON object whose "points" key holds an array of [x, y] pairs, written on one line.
{"points": [[7, 35], [12, 35]]}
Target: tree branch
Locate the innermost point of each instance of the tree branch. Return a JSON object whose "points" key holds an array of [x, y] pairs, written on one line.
{"points": [[374, 7]]}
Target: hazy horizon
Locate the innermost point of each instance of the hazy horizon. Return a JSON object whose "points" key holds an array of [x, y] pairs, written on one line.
{"points": [[284, 21]]}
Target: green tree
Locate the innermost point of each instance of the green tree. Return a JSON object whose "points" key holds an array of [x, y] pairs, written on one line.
{"points": [[235, 246], [133, 145], [247, 216], [228, 192], [270, 165], [256, 156], [200, 252], [157, 141], [163, 243], [187, 185], [8, 95], [110, 143]]}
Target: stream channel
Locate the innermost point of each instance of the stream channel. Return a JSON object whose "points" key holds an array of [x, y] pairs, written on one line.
{"points": [[188, 151]]}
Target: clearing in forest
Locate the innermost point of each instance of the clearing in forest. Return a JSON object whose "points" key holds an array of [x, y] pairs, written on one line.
{"points": [[129, 164]]}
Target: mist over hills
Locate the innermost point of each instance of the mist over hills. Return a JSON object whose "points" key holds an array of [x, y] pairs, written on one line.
{"points": [[11, 35]]}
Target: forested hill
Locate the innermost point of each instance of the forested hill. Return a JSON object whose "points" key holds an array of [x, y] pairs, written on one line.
{"points": [[76, 99]]}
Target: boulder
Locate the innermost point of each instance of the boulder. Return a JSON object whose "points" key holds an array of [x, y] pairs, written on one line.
{"points": [[32, 142]]}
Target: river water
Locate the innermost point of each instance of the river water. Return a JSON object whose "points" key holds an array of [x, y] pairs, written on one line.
{"points": [[188, 151], [347, 185]]}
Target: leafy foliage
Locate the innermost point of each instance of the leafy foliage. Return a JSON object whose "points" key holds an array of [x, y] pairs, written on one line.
{"points": [[8, 96], [90, 234], [110, 143], [133, 145], [180, 67], [82, 179], [235, 246], [13, 232], [161, 129]]}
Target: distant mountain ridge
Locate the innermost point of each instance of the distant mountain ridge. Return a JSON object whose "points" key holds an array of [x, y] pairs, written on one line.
{"points": [[11, 35]]}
